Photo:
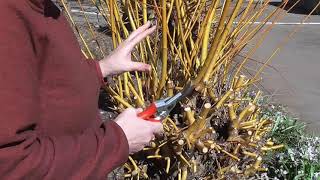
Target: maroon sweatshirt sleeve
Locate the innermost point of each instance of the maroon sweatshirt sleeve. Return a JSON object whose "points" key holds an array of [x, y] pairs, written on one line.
{"points": [[26, 152], [94, 64]]}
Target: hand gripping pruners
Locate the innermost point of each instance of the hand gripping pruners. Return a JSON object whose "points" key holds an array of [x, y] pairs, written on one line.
{"points": [[160, 109]]}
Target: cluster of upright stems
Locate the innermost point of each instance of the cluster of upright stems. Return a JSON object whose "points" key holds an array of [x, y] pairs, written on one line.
{"points": [[192, 137], [196, 41]]}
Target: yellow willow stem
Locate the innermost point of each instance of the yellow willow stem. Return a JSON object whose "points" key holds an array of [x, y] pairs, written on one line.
{"points": [[242, 43], [192, 44], [85, 54], [194, 19], [118, 36], [179, 175], [196, 11], [246, 11], [244, 15], [189, 116], [155, 51], [259, 43], [147, 56], [257, 97], [245, 38], [131, 19], [122, 101], [168, 164], [136, 12], [110, 90], [156, 7], [179, 54], [258, 14], [240, 82], [135, 166], [231, 155], [119, 20], [125, 77], [195, 51], [272, 147], [133, 90], [154, 82], [120, 86], [144, 11], [184, 160], [125, 84], [114, 17], [181, 31], [208, 22], [183, 12], [221, 26], [184, 174], [226, 67], [92, 32], [139, 84], [164, 48], [223, 99], [145, 20], [143, 54], [264, 34], [127, 166], [170, 87], [232, 112], [221, 42], [113, 24], [76, 28], [248, 23], [237, 30], [285, 41], [216, 41], [103, 10], [200, 35], [170, 11]]}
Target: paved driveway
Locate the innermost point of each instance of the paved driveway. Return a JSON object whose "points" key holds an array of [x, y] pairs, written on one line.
{"points": [[294, 79]]}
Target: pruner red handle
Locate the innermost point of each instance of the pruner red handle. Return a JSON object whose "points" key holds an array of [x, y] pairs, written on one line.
{"points": [[149, 113]]}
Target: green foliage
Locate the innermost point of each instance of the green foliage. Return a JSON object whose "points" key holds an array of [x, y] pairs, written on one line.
{"points": [[301, 157]]}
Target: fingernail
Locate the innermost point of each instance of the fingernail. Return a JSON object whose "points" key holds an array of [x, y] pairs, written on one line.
{"points": [[154, 22]]}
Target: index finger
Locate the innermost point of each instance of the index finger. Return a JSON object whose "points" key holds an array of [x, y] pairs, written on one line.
{"points": [[141, 36], [139, 30], [157, 127]]}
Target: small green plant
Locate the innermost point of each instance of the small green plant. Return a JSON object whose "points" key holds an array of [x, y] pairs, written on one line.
{"points": [[300, 159]]}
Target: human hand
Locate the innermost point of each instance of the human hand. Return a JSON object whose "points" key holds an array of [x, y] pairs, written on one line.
{"points": [[139, 132], [119, 60]]}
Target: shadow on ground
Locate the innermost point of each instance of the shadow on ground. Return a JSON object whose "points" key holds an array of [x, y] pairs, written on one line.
{"points": [[299, 8]]}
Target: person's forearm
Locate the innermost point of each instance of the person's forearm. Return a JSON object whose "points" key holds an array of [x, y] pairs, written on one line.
{"points": [[90, 155]]}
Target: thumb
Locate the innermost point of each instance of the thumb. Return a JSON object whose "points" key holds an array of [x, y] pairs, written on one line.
{"points": [[139, 110], [157, 128], [137, 66]]}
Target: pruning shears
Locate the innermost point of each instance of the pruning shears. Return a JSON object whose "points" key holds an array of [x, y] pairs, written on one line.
{"points": [[160, 109]]}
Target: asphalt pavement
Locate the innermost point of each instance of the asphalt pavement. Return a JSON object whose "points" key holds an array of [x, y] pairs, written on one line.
{"points": [[293, 77]]}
